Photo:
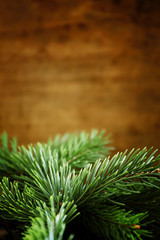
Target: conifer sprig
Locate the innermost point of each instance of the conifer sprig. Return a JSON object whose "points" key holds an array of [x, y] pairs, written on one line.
{"points": [[71, 182], [50, 225]]}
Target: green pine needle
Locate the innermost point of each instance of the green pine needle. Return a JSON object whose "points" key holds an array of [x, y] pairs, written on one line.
{"points": [[70, 188]]}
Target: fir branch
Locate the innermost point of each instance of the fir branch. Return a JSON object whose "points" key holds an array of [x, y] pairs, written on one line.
{"points": [[49, 185], [115, 176], [6, 155], [81, 149], [111, 222], [49, 225], [14, 204]]}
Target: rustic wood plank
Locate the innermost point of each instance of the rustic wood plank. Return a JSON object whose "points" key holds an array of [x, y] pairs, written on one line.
{"points": [[67, 66]]}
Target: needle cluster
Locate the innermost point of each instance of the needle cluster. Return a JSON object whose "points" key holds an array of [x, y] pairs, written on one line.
{"points": [[71, 188]]}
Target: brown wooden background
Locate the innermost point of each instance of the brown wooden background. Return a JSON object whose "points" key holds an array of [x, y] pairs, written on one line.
{"points": [[70, 65]]}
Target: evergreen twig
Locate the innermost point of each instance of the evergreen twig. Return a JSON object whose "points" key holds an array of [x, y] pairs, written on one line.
{"points": [[71, 188]]}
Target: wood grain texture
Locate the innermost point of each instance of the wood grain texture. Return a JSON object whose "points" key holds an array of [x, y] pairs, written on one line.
{"points": [[73, 65]]}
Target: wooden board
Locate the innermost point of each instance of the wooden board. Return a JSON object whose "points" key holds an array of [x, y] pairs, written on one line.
{"points": [[73, 65]]}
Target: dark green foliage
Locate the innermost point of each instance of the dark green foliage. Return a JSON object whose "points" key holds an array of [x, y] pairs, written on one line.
{"points": [[69, 188]]}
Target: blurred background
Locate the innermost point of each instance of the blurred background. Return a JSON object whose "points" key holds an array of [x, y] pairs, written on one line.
{"points": [[70, 65]]}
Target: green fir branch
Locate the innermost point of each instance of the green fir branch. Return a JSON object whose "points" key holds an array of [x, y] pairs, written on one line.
{"points": [[71, 183], [50, 225]]}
